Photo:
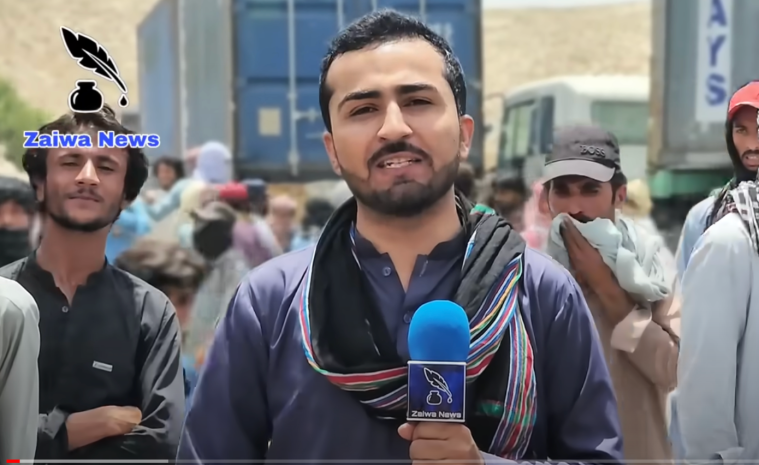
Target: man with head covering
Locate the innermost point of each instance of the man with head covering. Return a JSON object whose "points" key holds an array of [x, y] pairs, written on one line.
{"points": [[619, 269], [714, 414], [251, 235], [17, 209], [213, 239], [743, 153], [745, 159], [214, 164]]}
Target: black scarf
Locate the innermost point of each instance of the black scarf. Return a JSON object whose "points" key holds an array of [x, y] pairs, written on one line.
{"points": [[346, 324], [14, 245]]}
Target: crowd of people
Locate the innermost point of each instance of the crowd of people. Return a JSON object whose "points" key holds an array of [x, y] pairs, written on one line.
{"points": [[199, 321]]}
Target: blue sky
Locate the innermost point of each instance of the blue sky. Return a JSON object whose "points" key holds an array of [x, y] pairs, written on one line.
{"points": [[549, 3]]}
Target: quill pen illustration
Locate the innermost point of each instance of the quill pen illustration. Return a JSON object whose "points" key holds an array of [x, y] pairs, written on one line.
{"points": [[92, 56], [437, 381]]}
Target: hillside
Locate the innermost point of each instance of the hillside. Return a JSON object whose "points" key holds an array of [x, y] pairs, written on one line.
{"points": [[519, 45], [34, 58]]}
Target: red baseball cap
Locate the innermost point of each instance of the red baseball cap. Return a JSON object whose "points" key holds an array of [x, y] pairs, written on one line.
{"points": [[747, 95], [233, 191]]}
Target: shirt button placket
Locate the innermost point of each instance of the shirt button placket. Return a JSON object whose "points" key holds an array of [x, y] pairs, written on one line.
{"points": [[65, 309]]}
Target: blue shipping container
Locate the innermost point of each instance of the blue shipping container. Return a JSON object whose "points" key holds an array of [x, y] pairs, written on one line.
{"points": [[185, 74], [270, 113], [157, 73]]}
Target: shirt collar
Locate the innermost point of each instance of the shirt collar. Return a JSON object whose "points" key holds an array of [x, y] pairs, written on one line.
{"points": [[47, 280], [446, 250]]}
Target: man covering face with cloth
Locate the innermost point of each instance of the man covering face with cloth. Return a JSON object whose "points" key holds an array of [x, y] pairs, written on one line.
{"points": [[620, 271]]}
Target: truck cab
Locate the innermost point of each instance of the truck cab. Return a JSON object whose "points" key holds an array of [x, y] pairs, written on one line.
{"points": [[618, 104]]}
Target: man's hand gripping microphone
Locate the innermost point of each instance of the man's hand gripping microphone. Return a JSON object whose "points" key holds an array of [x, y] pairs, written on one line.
{"points": [[438, 342]]}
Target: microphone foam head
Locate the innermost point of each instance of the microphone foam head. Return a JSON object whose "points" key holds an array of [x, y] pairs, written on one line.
{"points": [[439, 332]]}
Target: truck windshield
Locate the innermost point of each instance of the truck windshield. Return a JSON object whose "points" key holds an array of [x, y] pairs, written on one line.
{"points": [[626, 120]]}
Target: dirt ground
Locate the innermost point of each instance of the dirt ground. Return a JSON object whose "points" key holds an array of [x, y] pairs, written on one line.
{"points": [[519, 46]]}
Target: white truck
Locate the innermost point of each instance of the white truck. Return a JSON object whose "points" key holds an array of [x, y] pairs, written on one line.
{"points": [[616, 103]]}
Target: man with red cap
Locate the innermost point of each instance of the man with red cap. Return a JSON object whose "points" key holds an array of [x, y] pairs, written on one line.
{"points": [[744, 156], [715, 414], [251, 235]]}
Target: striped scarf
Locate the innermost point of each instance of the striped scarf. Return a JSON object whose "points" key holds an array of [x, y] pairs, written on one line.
{"points": [[743, 200], [720, 195], [345, 339]]}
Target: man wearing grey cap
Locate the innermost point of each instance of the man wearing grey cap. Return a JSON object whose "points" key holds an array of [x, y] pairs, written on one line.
{"points": [[619, 269]]}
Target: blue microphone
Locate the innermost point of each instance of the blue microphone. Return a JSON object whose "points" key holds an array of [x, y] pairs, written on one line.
{"points": [[438, 343]]}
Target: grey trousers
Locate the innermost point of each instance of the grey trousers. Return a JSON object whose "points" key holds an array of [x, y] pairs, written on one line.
{"points": [[19, 378]]}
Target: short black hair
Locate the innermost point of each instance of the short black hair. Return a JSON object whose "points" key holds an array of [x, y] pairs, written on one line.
{"points": [[163, 264], [618, 180], [316, 213], [34, 160], [512, 183], [381, 27], [174, 163], [18, 191]]}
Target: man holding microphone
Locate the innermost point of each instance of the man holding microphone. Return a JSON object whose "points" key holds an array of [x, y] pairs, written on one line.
{"points": [[309, 364]]}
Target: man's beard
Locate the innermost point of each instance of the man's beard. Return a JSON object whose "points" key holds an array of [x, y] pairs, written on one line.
{"points": [[66, 222], [408, 198]]}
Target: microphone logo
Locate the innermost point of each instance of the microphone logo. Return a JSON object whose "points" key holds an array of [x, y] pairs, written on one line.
{"points": [[437, 381]]}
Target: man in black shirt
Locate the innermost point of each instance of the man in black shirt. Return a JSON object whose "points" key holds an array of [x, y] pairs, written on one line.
{"points": [[111, 383]]}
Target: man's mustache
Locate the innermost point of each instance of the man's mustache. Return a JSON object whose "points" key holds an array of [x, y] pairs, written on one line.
{"points": [[750, 152], [86, 193], [396, 147]]}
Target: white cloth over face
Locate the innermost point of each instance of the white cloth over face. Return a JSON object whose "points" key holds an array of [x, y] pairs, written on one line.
{"points": [[631, 254]]}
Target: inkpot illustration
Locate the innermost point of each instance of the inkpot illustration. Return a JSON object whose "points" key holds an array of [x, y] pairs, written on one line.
{"points": [[437, 381], [86, 97]]}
